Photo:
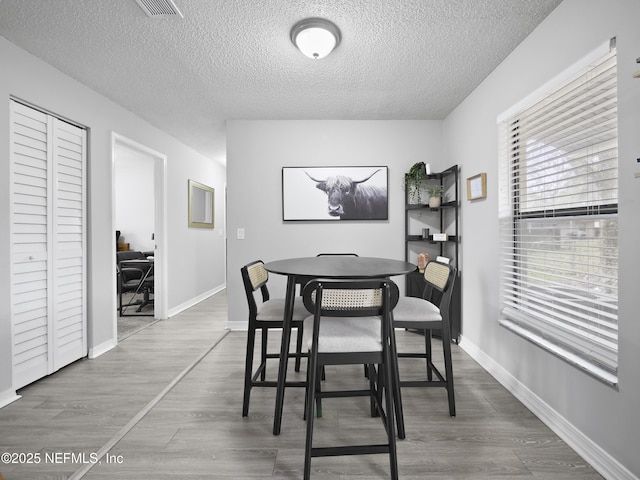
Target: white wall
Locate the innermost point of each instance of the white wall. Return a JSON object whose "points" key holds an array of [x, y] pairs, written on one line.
{"points": [[257, 151], [599, 421], [197, 265], [195, 258], [134, 199]]}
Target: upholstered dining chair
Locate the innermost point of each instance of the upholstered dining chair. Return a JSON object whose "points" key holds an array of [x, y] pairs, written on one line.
{"points": [[431, 312], [350, 324], [302, 281], [265, 313]]}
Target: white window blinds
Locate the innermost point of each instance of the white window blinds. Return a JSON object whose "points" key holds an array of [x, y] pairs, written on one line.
{"points": [[558, 220]]}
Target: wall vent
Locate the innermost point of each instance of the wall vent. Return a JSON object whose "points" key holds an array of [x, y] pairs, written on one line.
{"points": [[159, 8]]}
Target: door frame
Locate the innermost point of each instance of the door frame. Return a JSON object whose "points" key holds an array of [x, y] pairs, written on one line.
{"points": [[160, 228]]}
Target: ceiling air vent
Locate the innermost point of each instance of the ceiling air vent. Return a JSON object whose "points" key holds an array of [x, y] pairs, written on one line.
{"points": [[159, 8]]}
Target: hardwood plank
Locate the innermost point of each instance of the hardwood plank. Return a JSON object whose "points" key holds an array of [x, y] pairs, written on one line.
{"points": [[196, 430]]}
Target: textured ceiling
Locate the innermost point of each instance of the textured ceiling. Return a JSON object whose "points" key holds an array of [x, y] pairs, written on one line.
{"points": [[232, 59]]}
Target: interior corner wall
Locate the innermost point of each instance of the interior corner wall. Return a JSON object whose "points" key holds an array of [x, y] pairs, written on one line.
{"points": [[257, 151], [196, 258], [602, 419]]}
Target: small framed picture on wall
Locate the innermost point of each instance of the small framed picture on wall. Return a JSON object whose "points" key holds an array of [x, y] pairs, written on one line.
{"points": [[477, 187]]}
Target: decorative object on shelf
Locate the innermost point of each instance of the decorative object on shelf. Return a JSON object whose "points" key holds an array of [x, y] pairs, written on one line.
{"points": [[334, 193], [413, 180], [435, 195], [477, 186], [423, 259]]}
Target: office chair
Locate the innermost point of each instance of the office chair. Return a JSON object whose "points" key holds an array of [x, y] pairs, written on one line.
{"points": [[133, 277]]}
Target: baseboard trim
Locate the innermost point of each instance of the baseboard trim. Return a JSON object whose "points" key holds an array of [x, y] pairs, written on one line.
{"points": [[237, 326], [101, 349], [7, 397], [190, 303], [598, 458]]}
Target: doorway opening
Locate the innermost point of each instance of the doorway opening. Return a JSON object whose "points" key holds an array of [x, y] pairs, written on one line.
{"points": [[139, 212]]}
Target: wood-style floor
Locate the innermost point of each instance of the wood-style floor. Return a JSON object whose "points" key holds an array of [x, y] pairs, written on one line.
{"points": [[166, 404]]}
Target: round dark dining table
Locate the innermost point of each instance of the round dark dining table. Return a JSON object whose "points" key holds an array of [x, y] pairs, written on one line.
{"points": [[340, 267], [298, 270]]}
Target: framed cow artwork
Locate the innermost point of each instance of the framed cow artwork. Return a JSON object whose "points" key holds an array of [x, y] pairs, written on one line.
{"points": [[334, 193]]}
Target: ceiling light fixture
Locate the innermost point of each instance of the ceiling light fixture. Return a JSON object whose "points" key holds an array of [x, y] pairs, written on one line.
{"points": [[315, 37]]}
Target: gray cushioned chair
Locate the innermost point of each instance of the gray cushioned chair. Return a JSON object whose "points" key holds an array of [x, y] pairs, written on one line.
{"points": [[265, 314], [351, 323], [427, 314]]}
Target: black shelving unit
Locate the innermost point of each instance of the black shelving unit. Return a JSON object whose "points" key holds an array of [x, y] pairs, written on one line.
{"points": [[442, 219]]}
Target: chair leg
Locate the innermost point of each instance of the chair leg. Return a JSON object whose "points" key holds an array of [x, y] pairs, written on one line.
{"points": [[427, 350], [374, 391], [145, 299], [394, 383], [298, 348], [312, 370], [448, 367], [248, 370], [263, 353], [307, 391], [387, 375], [318, 390]]}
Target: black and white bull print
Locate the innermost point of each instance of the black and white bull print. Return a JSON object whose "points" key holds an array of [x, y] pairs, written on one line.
{"points": [[351, 199]]}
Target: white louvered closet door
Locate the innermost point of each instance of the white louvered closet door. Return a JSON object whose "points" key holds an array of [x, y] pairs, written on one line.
{"points": [[48, 244]]}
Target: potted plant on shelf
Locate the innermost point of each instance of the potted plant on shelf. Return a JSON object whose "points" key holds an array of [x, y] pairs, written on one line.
{"points": [[435, 195], [413, 180]]}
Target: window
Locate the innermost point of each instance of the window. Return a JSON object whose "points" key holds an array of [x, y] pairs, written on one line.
{"points": [[559, 219]]}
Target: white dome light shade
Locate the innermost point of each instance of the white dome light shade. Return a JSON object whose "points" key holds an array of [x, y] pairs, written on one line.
{"points": [[315, 37], [315, 42]]}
